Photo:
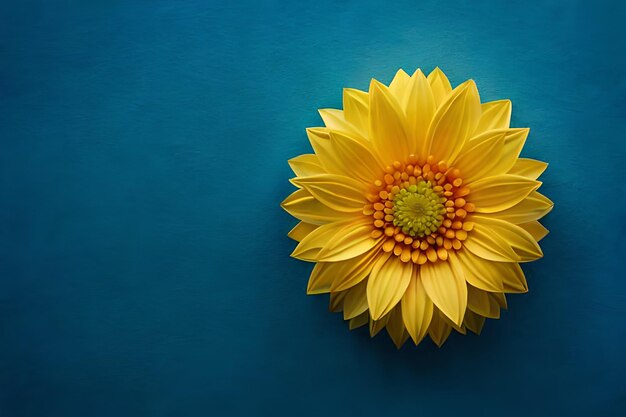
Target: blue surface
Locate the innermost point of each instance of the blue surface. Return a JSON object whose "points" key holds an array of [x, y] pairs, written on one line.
{"points": [[144, 267]]}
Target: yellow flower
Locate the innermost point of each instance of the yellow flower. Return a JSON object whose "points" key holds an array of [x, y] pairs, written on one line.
{"points": [[417, 208]]}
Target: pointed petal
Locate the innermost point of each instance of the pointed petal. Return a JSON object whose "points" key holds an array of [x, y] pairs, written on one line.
{"points": [[352, 271], [395, 326], [319, 280], [377, 325], [479, 302], [355, 302], [494, 115], [356, 158], [305, 165], [301, 230], [483, 274], [303, 206], [453, 122], [533, 207], [482, 242], [515, 282], [387, 283], [536, 229], [387, 125], [420, 110], [445, 285], [318, 134], [336, 301], [498, 193], [356, 109], [342, 275], [461, 329], [480, 155], [498, 157], [474, 322], [439, 330], [513, 143], [310, 246], [400, 87], [518, 239], [439, 85], [340, 193], [335, 120], [352, 240], [325, 152], [359, 321], [417, 309], [500, 299], [319, 137], [529, 168]]}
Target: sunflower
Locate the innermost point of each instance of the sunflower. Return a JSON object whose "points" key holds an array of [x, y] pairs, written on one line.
{"points": [[416, 208]]}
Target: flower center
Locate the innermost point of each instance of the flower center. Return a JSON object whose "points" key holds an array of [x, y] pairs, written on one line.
{"points": [[418, 210], [421, 210]]}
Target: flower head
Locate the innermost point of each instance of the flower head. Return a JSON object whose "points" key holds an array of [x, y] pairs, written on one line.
{"points": [[416, 207]]}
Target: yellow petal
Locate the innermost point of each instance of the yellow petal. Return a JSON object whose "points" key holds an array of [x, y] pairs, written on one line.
{"points": [[319, 137], [350, 272], [310, 246], [533, 207], [359, 321], [461, 329], [400, 88], [513, 144], [439, 330], [514, 281], [500, 192], [352, 240], [336, 301], [499, 298], [518, 239], [377, 325], [483, 274], [335, 120], [495, 115], [305, 165], [324, 151], [356, 109], [479, 302], [439, 85], [479, 156], [482, 242], [445, 285], [453, 122], [302, 205], [493, 276], [355, 302], [387, 283], [528, 168], [395, 326], [387, 125], [420, 110], [301, 230], [535, 229], [474, 322], [340, 193], [356, 158], [341, 275], [318, 134], [500, 148], [417, 309], [320, 280]]}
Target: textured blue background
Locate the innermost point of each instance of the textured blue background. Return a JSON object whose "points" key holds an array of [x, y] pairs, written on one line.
{"points": [[144, 264]]}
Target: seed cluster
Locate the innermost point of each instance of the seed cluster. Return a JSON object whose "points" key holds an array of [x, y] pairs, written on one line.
{"points": [[421, 209]]}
